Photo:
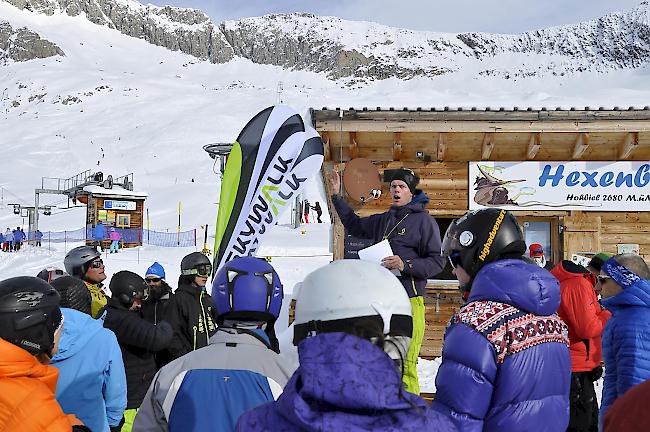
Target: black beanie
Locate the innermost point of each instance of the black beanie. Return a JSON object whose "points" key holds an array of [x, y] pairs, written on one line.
{"points": [[407, 176], [74, 294]]}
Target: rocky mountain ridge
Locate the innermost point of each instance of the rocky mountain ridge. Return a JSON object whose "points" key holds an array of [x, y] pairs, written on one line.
{"points": [[363, 50]]}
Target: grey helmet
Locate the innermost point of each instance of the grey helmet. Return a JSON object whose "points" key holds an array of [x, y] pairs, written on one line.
{"points": [[77, 260]]}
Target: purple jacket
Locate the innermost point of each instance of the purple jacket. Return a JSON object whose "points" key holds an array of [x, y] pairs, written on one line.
{"points": [[413, 234], [505, 359], [344, 383]]}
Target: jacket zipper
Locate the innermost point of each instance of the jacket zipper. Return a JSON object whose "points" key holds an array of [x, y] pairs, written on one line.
{"points": [[205, 321], [194, 348]]}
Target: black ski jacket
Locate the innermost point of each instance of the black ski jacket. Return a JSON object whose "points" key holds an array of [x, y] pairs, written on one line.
{"points": [[154, 310], [192, 315], [138, 341]]}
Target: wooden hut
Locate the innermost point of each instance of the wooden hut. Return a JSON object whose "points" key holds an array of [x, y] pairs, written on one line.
{"points": [[115, 207], [446, 146]]}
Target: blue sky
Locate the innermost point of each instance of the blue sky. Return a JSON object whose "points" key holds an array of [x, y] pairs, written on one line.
{"points": [[496, 16]]}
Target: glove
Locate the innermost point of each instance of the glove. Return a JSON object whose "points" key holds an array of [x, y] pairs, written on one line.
{"points": [[595, 374]]}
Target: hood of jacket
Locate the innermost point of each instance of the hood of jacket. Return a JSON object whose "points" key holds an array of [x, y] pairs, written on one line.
{"points": [[566, 270], [339, 375], [517, 283], [15, 362], [190, 288], [417, 205], [78, 329], [637, 294]]}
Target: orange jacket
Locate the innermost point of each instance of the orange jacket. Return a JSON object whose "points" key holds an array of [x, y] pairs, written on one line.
{"points": [[580, 310], [27, 390]]}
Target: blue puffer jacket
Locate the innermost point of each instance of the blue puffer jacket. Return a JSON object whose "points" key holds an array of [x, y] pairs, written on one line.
{"points": [[92, 383], [505, 359], [626, 342]]}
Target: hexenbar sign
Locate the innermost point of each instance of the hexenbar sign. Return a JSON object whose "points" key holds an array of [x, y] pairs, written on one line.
{"points": [[587, 186]]}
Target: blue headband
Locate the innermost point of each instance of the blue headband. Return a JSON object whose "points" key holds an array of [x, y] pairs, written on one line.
{"points": [[621, 275]]}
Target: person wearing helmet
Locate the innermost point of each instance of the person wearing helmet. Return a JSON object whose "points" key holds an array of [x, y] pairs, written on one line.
{"points": [[48, 274], [190, 310], [353, 327], [238, 370], [414, 237], [85, 263], [138, 338], [92, 382], [30, 329], [156, 307], [505, 360]]}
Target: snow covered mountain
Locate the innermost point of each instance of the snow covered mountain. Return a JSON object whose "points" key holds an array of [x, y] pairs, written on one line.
{"points": [[365, 50]]}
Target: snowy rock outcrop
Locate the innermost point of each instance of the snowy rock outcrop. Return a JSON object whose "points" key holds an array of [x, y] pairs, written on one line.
{"points": [[365, 50], [178, 29], [23, 44], [346, 48]]}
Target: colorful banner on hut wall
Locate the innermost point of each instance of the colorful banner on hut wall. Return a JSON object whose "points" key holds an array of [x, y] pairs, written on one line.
{"points": [[587, 186], [271, 160]]}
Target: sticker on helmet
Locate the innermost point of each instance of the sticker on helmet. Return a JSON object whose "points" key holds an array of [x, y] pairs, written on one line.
{"points": [[466, 238]]}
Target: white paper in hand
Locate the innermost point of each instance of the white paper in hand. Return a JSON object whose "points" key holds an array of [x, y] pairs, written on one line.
{"points": [[378, 252]]}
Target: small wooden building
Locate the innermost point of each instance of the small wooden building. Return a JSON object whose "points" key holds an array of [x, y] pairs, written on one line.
{"points": [[446, 146], [116, 207]]}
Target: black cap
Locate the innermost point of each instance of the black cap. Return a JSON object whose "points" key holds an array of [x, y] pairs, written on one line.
{"points": [[407, 176]]}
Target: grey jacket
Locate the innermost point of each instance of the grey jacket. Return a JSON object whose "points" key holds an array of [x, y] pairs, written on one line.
{"points": [[227, 351]]}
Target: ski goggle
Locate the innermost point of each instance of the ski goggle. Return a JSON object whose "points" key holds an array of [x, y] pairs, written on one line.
{"points": [[97, 264], [454, 259], [202, 270], [153, 280]]}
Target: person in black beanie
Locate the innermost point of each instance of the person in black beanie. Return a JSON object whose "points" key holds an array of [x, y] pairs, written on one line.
{"points": [[414, 237]]}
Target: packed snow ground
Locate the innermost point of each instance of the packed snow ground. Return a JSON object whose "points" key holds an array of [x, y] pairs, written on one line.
{"points": [[133, 107]]}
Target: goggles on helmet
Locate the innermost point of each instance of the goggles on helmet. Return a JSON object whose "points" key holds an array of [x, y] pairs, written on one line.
{"points": [[202, 270]]}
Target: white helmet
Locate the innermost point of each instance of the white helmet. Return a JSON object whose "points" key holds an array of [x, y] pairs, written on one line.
{"points": [[349, 295]]}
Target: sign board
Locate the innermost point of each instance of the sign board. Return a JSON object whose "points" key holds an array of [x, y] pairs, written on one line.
{"points": [[628, 248], [586, 186], [107, 217], [119, 205], [352, 245]]}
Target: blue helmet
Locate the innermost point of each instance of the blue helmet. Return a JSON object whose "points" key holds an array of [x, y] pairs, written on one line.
{"points": [[247, 289]]}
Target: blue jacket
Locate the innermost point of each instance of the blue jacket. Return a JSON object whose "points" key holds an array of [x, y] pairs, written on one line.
{"points": [[626, 341], [99, 232], [344, 383], [92, 383], [505, 359], [413, 235], [208, 389]]}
